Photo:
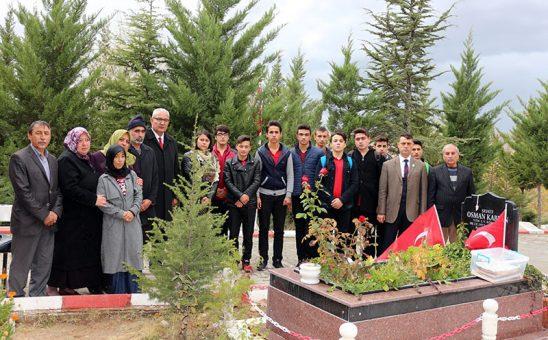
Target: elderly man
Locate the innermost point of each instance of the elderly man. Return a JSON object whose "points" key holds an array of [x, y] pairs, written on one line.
{"points": [[37, 206], [448, 185], [165, 152], [402, 192]]}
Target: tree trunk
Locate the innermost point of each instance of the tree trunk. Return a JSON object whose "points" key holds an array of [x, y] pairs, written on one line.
{"points": [[539, 205]]}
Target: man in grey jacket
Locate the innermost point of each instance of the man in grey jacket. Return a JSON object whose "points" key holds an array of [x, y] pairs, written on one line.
{"points": [[37, 206]]}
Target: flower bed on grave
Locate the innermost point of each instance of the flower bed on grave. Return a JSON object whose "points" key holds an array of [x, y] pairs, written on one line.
{"points": [[345, 265]]}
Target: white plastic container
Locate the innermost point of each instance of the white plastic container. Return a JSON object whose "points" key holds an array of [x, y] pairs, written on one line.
{"points": [[498, 264], [310, 273]]}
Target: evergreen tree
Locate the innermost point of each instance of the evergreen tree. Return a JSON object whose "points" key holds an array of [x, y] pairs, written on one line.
{"points": [[465, 115], [298, 107], [526, 163], [215, 59], [47, 76], [137, 86], [400, 67], [347, 104], [272, 93]]}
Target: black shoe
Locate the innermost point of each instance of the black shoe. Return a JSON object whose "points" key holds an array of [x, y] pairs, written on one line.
{"points": [[277, 264], [262, 266]]}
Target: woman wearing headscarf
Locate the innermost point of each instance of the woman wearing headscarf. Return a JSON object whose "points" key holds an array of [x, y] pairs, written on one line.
{"points": [[206, 159], [122, 239], [76, 255], [118, 137]]}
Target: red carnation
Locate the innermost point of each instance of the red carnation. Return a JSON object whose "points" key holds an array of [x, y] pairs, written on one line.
{"points": [[362, 219], [324, 172], [304, 179]]}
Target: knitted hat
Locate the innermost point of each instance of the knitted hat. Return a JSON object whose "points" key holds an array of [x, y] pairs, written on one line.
{"points": [[136, 121]]}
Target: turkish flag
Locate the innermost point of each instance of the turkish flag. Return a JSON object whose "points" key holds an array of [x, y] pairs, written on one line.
{"points": [[425, 228], [489, 236]]}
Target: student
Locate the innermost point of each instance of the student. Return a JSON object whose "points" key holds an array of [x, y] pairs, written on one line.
{"points": [[274, 193], [305, 159], [417, 153], [382, 145], [321, 137], [339, 178], [122, 238], [242, 175]]}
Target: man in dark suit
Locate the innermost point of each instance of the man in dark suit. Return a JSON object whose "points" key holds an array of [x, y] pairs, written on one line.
{"points": [[37, 206], [402, 192], [146, 168], [165, 151], [448, 185]]}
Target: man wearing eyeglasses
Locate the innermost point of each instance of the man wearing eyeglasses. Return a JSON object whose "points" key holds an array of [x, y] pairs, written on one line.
{"points": [[223, 152], [165, 151]]}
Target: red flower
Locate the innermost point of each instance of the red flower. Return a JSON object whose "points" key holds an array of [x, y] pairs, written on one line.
{"points": [[304, 179], [362, 219], [324, 172]]}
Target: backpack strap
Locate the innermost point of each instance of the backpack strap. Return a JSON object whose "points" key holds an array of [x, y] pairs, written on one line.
{"points": [[350, 161], [323, 160]]}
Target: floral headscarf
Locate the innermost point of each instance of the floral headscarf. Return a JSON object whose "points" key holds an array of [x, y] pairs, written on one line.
{"points": [[116, 135], [72, 139]]}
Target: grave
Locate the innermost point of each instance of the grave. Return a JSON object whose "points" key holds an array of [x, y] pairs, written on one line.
{"points": [[479, 210]]}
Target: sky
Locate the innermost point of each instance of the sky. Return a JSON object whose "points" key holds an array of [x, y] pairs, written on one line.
{"points": [[510, 36]]}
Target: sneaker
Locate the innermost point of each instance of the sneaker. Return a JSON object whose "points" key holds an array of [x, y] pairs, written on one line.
{"points": [[262, 266], [247, 268], [277, 264]]}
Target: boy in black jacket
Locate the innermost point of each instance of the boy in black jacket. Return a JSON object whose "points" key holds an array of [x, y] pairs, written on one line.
{"points": [[242, 175], [339, 178]]}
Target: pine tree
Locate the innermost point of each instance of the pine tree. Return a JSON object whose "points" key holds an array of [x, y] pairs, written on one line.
{"points": [[298, 107], [272, 93], [347, 104], [47, 77], [400, 67], [215, 59], [194, 270], [526, 163], [465, 114], [137, 86]]}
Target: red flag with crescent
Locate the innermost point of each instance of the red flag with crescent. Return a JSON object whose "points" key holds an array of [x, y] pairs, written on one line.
{"points": [[425, 229], [489, 236]]}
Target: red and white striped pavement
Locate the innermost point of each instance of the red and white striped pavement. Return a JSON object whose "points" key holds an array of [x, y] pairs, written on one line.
{"points": [[105, 301]]}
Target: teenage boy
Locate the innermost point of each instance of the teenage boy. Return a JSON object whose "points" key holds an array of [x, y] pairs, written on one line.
{"points": [[339, 178], [274, 192], [305, 158], [381, 147], [417, 153], [223, 152], [369, 168], [242, 175], [321, 137]]}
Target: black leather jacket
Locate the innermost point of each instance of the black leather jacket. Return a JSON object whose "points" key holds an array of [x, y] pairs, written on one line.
{"points": [[240, 179]]}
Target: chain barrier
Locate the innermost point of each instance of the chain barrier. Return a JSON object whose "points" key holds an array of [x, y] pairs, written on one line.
{"points": [[477, 320], [277, 325]]}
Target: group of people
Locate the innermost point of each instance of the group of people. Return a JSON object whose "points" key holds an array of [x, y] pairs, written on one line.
{"points": [[81, 220]]}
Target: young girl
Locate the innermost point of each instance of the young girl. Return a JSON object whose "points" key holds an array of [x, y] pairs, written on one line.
{"points": [[122, 240]]}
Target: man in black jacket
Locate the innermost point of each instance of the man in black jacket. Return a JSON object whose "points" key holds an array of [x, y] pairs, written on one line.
{"points": [[242, 176], [146, 169], [165, 152], [369, 166], [448, 185]]}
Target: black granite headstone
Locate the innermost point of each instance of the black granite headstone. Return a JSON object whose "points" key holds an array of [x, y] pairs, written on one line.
{"points": [[479, 210]]}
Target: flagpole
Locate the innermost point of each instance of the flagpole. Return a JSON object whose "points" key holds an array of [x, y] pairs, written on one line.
{"points": [[439, 224], [504, 229]]}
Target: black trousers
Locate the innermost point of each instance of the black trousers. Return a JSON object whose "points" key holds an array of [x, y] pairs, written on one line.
{"points": [[272, 206], [304, 249], [244, 217], [343, 217], [391, 230], [221, 207]]}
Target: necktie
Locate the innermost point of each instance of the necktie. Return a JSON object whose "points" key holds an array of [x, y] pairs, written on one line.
{"points": [[161, 142], [405, 168]]}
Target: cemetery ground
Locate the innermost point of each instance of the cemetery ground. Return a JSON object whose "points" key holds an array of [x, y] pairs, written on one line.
{"points": [[150, 324]]}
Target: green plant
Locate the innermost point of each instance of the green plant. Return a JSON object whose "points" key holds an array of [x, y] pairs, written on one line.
{"points": [[7, 318], [193, 269]]}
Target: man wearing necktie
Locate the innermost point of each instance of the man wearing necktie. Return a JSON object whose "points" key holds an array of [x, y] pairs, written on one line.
{"points": [[402, 192], [165, 152]]}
